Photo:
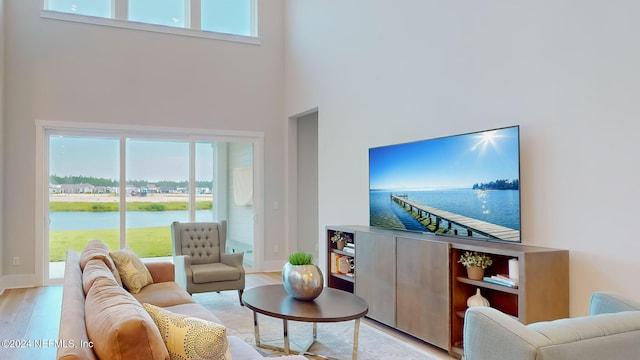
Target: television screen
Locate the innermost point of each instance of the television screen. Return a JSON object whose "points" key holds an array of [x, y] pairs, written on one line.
{"points": [[464, 185]]}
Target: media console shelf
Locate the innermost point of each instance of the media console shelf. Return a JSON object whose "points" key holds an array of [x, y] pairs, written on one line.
{"points": [[345, 279], [414, 283]]}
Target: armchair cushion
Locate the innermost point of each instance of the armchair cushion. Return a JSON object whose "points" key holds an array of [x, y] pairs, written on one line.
{"points": [[201, 242], [206, 273]]}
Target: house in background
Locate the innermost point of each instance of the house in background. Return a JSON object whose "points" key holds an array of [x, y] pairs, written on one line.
{"points": [[372, 73]]}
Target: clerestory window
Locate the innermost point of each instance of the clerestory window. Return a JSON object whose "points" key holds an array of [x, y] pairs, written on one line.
{"points": [[234, 20]]}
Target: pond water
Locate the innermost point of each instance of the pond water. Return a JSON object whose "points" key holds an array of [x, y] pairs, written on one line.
{"points": [[86, 220]]}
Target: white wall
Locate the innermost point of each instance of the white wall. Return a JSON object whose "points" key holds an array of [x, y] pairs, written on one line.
{"points": [[383, 72], [2, 22], [58, 70]]}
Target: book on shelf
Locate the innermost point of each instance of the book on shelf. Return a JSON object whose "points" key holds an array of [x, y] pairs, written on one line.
{"points": [[505, 278], [344, 265], [334, 262], [341, 264], [349, 249], [492, 280]]}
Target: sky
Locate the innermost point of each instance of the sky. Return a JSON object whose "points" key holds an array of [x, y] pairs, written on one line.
{"points": [[449, 162], [151, 160], [226, 16]]}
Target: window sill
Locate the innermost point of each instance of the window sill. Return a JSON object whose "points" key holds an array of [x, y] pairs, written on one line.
{"points": [[56, 15]]}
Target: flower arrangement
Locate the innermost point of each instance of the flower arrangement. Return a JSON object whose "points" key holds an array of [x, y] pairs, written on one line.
{"points": [[339, 236], [475, 259], [300, 258]]}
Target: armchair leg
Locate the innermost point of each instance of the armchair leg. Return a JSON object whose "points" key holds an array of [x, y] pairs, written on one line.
{"points": [[240, 296]]}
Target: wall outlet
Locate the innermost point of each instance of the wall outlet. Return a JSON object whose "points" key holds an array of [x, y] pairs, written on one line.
{"points": [[275, 248], [16, 260]]}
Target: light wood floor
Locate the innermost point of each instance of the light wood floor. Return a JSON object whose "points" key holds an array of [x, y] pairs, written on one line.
{"points": [[30, 318]]}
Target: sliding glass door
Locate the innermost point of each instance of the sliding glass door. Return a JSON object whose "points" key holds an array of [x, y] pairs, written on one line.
{"points": [[127, 189], [83, 195], [157, 193]]}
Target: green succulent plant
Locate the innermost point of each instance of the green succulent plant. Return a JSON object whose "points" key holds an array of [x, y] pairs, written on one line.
{"points": [[300, 258]]}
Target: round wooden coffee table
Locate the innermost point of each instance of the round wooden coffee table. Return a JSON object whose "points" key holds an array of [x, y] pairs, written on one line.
{"points": [[332, 305]]}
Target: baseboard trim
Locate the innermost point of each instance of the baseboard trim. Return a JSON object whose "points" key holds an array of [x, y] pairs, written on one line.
{"points": [[273, 265], [17, 281]]}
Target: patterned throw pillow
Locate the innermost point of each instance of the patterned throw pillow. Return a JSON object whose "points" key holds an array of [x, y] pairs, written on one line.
{"points": [[134, 274], [188, 337]]}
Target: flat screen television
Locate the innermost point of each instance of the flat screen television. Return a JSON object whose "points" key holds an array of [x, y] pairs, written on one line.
{"points": [[465, 185]]}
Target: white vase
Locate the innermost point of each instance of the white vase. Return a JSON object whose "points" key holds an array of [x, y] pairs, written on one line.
{"points": [[477, 300]]}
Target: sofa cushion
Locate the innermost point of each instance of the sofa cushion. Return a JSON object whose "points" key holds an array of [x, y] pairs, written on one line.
{"points": [[93, 270], [97, 249], [195, 310], [119, 326], [214, 272], [72, 324], [134, 274], [163, 294], [188, 337]]}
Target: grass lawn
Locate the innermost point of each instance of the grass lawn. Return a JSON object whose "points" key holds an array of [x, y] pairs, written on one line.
{"points": [[145, 242]]}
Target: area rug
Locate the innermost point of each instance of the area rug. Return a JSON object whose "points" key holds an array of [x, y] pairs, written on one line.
{"points": [[335, 340]]}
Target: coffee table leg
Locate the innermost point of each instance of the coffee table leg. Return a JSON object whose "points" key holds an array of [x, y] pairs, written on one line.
{"points": [[315, 331], [285, 327], [256, 328], [356, 329]]}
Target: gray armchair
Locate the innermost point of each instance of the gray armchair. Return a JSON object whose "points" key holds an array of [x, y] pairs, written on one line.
{"points": [[611, 331], [201, 264]]}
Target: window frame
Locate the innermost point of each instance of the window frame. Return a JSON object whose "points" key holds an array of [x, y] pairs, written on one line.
{"points": [[44, 128], [192, 27]]}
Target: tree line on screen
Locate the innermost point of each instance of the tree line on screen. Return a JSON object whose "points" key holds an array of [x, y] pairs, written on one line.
{"points": [[498, 185], [113, 183]]}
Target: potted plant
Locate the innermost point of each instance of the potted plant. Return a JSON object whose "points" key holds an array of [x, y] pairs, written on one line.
{"points": [[340, 239], [301, 278], [475, 263], [300, 258]]}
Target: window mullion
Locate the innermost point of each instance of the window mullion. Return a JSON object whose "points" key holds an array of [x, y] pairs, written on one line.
{"points": [[123, 192], [254, 18], [120, 9], [194, 16], [192, 180]]}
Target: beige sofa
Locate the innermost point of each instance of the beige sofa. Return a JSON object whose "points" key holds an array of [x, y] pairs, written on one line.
{"points": [[100, 319], [611, 331]]}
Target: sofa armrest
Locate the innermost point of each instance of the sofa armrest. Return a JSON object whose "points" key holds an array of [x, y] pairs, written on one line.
{"points": [[160, 271], [234, 260], [606, 302], [491, 334]]}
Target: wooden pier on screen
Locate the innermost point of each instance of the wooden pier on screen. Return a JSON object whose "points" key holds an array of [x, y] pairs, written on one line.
{"points": [[425, 214]]}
